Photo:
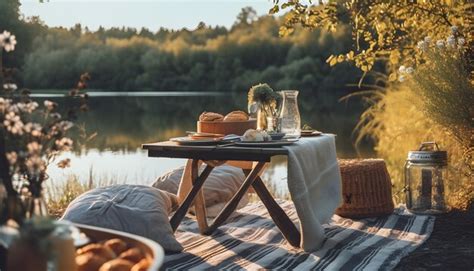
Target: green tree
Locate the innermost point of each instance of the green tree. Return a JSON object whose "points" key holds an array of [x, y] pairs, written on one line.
{"points": [[246, 16], [382, 30]]}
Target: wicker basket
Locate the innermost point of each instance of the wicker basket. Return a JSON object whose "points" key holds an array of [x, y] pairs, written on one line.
{"points": [[366, 189], [226, 127]]}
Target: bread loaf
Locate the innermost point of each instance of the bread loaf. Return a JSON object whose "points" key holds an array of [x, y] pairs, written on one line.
{"points": [[236, 116], [211, 116]]}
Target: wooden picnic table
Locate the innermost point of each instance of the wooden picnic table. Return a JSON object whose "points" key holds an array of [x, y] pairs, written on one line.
{"points": [[216, 155]]}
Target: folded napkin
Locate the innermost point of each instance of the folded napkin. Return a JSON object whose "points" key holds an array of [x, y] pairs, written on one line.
{"points": [[314, 182]]}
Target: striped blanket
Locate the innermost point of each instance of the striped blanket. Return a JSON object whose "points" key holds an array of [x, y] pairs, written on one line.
{"points": [[250, 240]]}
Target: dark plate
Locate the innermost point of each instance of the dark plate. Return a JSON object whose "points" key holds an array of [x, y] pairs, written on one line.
{"points": [[277, 136]]}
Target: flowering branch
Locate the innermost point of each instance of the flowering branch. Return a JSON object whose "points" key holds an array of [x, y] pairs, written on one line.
{"points": [[28, 147]]}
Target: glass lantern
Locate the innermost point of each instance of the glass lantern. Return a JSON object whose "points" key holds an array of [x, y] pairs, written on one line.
{"points": [[425, 176]]}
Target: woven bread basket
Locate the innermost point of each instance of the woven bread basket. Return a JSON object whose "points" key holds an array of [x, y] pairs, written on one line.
{"points": [[366, 188]]}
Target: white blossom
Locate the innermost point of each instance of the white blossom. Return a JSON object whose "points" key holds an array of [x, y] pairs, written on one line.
{"points": [[13, 123], [409, 70], [33, 128], [401, 78], [440, 44], [7, 41], [12, 157], [64, 144], [4, 104], [427, 40], [35, 164], [461, 41], [402, 69], [34, 147], [451, 41], [49, 105], [11, 87], [65, 125], [15, 108], [422, 45], [56, 116], [31, 106], [454, 29]]}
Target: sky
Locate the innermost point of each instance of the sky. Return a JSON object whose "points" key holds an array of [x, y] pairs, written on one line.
{"points": [[152, 14]]}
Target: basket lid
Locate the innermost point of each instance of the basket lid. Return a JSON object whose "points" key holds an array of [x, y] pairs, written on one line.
{"points": [[424, 156]]}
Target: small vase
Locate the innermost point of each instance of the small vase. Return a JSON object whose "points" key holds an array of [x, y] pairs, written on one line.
{"points": [[263, 115], [36, 207]]}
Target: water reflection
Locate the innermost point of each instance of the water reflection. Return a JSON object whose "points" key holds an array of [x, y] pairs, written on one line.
{"points": [[124, 122]]}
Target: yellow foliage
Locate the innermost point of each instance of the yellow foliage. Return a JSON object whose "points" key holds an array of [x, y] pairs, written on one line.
{"points": [[398, 124]]}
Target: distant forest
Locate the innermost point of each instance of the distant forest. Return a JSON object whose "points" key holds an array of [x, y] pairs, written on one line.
{"points": [[206, 58]]}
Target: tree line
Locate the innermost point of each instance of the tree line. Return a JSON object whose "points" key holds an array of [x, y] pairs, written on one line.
{"points": [[205, 58]]}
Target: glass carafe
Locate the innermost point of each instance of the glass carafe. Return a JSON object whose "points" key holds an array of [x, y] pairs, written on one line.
{"points": [[290, 121]]}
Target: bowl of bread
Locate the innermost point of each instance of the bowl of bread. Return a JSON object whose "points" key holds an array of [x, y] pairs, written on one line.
{"points": [[235, 122], [114, 250]]}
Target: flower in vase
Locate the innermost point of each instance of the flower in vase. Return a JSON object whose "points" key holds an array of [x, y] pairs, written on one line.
{"points": [[261, 93]]}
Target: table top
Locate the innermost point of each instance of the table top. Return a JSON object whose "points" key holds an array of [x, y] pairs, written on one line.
{"points": [[173, 150]]}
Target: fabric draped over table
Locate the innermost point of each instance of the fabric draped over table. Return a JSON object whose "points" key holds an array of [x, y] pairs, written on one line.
{"points": [[314, 182]]}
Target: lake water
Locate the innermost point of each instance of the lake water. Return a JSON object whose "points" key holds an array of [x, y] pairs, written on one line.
{"points": [[124, 121]]}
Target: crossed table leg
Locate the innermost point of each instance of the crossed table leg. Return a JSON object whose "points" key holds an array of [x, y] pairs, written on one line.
{"points": [[281, 219]]}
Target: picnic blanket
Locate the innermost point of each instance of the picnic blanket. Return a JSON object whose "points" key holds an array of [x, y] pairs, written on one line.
{"points": [[251, 241], [314, 182]]}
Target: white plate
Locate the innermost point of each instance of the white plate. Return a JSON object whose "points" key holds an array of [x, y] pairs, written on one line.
{"points": [[196, 142], [275, 143]]}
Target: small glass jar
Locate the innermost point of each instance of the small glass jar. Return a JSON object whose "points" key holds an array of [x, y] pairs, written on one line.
{"points": [[425, 176]]}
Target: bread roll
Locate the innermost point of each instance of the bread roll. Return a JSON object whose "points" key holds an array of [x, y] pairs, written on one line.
{"points": [[116, 245], [143, 265], [134, 255], [256, 135], [252, 135], [117, 265], [89, 262], [236, 116], [99, 250], [211, 116]]}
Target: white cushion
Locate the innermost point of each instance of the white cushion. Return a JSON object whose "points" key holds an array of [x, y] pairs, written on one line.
{"points": [[219, 188], [136, 209]]}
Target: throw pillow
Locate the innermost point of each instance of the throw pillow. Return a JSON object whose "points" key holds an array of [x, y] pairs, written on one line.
{"points": [[136, 209]]}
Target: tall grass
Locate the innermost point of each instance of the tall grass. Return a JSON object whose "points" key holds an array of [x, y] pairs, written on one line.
{"points": [[397, 121], [59, 196]]}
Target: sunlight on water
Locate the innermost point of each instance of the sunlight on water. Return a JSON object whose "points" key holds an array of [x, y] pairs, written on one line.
{"points": [[124, 121]]}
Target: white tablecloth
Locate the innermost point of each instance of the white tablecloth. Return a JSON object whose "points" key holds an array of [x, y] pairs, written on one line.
{"points": [[314, 182]]}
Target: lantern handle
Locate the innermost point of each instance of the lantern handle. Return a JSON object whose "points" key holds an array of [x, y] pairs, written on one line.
{"points": [[428, 143]]}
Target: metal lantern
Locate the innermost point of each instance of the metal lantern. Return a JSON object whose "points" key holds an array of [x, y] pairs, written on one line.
{"points": [[425, 176]]}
